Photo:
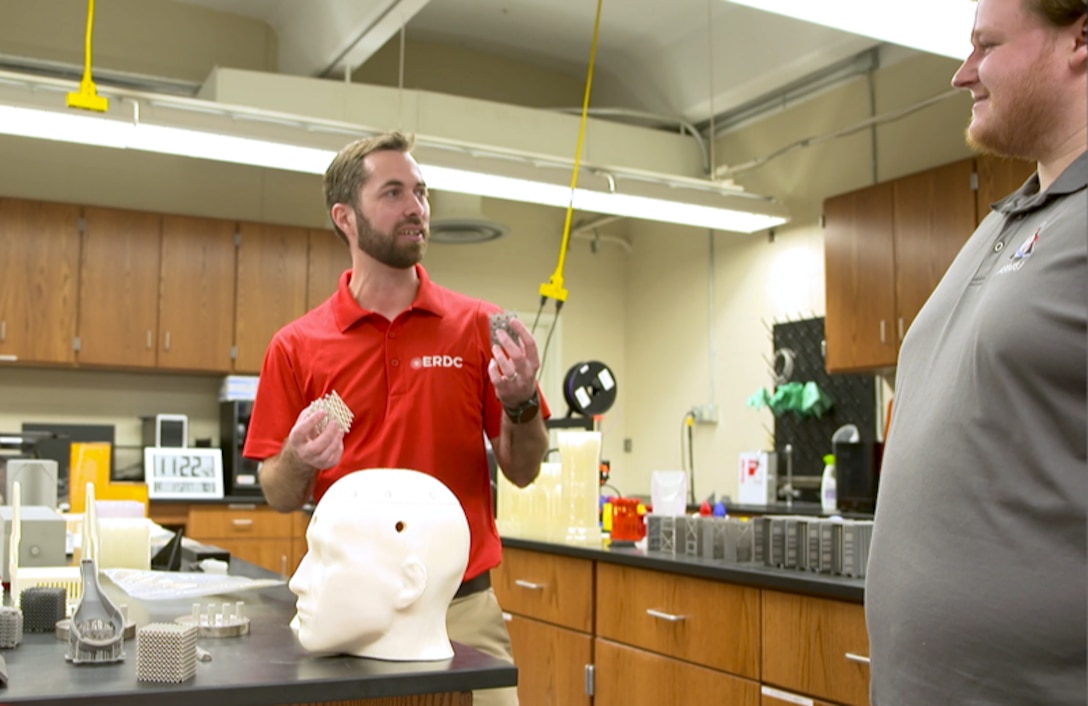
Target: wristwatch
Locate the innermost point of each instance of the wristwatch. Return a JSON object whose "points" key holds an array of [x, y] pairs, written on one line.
{"points": [[524, 411]]}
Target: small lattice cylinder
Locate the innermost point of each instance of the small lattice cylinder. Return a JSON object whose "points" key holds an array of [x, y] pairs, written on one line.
{"points": [[166, 653], [42, 607], [11, 627]]}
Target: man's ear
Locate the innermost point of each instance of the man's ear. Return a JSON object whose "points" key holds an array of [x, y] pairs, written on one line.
{"points": [[343, 216], [1079, 60], [413, 582]]}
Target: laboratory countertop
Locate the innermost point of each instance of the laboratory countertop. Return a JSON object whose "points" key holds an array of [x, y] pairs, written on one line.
{"points": [[264, 668], [746, 574]]}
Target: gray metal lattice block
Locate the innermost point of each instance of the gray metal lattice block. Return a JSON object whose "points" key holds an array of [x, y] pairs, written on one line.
{"points": [[660, 533], [11, 627], [712, 537], [166, 653], [42, 607], [689, 527]]}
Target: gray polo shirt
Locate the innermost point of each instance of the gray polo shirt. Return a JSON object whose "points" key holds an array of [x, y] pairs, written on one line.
{"points": [[978, 581]]}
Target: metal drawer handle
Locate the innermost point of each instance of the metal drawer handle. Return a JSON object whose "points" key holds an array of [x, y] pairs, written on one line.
{"points": [[664, 616], [860, 659], [529, 585], [242, 506], [242, 522]]}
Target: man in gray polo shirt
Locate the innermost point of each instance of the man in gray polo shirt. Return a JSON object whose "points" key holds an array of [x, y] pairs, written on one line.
{"points": [[978, 581]]}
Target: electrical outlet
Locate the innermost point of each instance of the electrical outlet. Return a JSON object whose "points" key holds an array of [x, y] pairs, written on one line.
{"points": [[705, 414]]}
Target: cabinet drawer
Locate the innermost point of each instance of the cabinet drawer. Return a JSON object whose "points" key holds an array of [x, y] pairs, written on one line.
{"points": [[241, 520], [816, 646], [706, 622], [555, 589], [551, 662], [625, 676]]}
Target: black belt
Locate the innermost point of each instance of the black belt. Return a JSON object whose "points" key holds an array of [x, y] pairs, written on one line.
{"points": [[474, 585]]}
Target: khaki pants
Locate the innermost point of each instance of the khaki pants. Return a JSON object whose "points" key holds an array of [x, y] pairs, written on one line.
{"points": [[476, 620]]}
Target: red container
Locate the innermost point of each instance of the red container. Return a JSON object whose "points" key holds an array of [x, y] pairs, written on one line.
{"points": [[627, 524]]}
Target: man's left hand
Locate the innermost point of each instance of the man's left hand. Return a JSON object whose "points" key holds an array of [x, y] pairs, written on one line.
{"points": [[514, 366]]}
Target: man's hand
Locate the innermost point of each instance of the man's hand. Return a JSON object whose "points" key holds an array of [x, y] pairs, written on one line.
{"points": [[316, 441], [514, 366]]}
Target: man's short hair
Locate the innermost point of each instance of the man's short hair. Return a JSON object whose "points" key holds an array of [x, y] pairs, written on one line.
{"points": [[347, 173], [1060, 13]]}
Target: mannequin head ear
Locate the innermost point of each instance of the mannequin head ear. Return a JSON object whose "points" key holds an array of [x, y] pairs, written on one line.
{"points": [[413, 582]]}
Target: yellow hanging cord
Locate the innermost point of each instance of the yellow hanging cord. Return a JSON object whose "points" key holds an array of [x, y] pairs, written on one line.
{"points": [[553, 288], [87, 97]]}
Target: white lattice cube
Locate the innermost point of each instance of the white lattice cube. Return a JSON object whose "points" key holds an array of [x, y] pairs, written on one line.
{"points": [[335, 408]]}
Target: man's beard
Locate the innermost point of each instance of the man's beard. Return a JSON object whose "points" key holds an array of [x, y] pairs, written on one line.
{"points": [[387, 248], [1021, 121]]}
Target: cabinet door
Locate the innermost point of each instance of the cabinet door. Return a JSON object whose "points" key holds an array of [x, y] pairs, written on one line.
{"points": [[997, 178], [271, 554], [934, 215], [271, 287], [816, 646], [859, 269], [196, 303], [528, 583], [119, 288], [551, 662], [680, 616], [39, 271], [329, 257], [626, 676]]}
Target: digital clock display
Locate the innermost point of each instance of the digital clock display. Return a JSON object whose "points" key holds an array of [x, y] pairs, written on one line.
{"points": [[183, 473]]}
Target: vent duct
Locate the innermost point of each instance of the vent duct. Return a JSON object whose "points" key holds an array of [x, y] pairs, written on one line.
{"points": [[459, 218]]}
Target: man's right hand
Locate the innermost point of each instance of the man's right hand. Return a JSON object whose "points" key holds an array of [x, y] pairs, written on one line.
{"points": [[316, 441]]}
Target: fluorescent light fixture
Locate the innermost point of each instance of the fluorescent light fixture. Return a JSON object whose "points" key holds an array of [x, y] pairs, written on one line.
{"points": [[940, 27], [709, 208], [613, 204]]}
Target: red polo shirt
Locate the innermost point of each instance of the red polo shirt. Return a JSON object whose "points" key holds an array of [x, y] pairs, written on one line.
{"points": [[418, 387]]}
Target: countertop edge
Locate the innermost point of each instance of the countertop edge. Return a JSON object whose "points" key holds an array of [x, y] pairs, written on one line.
{"points": [[794, 581]]}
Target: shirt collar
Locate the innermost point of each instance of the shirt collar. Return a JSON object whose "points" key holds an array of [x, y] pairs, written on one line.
{"points": [[1028, 198], [348, 312]]}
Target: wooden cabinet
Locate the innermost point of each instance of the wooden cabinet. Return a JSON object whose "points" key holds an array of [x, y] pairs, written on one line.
{"points": [[119, 288], [696, 620], [626, 676], [934, 214], [885, 249], [196, 295], [156, 291], [329, 257], [256, 533], [859, 269], [252, 532], [997, 178], [549, 600], [271, 287], [816, 646], [39, 270], [551, 662]]}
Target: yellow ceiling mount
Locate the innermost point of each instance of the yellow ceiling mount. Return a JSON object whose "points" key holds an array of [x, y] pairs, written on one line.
{"points": [[87, 97]]}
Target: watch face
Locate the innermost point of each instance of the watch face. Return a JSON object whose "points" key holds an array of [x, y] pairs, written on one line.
{"points": [[524, 411]]}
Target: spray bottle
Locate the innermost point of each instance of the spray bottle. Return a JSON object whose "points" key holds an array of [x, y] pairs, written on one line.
{"points": [[828, 493]]}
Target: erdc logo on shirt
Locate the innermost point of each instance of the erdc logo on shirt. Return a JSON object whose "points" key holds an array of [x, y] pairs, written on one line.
{"points": [[1019, 258], [438, 361]]}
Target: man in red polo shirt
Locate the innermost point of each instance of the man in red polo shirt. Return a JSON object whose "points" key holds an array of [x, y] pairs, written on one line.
{"points": [[415, 364]]}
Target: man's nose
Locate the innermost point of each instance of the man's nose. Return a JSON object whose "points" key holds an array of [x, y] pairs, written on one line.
{"points": [[967, 74]]}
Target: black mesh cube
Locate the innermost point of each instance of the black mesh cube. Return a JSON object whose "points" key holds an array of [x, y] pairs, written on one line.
{"points": [[42, 607]]}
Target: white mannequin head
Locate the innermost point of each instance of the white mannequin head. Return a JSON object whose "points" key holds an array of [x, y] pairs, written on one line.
{"points": [[387, 550]]}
